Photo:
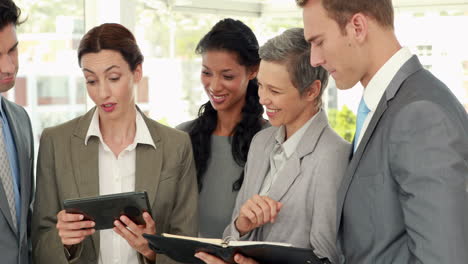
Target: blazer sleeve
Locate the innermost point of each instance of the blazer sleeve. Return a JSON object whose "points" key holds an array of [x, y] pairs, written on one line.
{"points": [[45, 240], [184, 220], [323, 200], [428, 160], [184, 215]]}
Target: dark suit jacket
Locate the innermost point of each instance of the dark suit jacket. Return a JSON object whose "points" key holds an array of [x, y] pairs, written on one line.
{"points": [[67, 168], [404, 196], [14, 246]]}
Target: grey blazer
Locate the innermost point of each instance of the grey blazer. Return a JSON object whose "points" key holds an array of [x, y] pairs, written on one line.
{"points": [[67, 168], [404, 196], [14, 246], [307, 187]]}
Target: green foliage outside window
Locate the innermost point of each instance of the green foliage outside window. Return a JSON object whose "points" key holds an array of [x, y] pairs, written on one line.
{"points": [[343, 122]]}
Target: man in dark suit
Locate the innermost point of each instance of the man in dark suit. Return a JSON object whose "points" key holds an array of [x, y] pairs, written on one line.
{"points": [[403, 198], [16, 150]]}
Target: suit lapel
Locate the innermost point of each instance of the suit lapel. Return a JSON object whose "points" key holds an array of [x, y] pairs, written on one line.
{"points": [[149, 163], [292, 169], [23, 156], [410, 67], [285, 178], [356, 157], [85, 160], [264, 167]]}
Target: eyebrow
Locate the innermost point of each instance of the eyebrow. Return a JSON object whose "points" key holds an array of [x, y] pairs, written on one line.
{"points": [[106, 70], [269, 85], [13, 47], [226, 70], [314, 38]]}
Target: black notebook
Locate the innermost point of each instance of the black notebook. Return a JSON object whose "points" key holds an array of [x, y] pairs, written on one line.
{"points": [[183, 249]]}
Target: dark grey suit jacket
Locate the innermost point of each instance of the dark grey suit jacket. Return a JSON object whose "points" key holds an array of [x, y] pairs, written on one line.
{"points": [[404, 197], [14, 246]]}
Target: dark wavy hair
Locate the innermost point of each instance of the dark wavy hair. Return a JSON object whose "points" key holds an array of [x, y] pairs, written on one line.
{"points": [[232, 36], [9, 14]]}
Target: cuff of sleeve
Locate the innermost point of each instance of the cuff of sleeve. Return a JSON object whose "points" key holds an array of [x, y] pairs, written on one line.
{"points": [[73, 253], [235, 235]]}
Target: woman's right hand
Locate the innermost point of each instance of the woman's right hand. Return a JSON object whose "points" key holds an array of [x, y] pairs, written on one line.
{"points": [[72, 229], [256, 212]]}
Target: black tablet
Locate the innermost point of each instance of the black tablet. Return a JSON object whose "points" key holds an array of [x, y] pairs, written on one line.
{"points": [[105, 209]]}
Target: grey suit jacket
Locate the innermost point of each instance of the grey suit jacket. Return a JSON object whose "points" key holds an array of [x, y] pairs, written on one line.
{"points": [[67, 168], [404, 196], [307, 187], [14, 246]]}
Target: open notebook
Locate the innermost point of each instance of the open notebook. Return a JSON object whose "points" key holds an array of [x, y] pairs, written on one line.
{"points": [[183, 249]]}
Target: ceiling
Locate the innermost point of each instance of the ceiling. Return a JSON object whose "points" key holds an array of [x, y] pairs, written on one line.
{"points": [[288, 7]]}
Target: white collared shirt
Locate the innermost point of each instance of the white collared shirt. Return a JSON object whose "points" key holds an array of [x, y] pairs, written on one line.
{"points": [[116, 175], [282, 151], [379, 83]]}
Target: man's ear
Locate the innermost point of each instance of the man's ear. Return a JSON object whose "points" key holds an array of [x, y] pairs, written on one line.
{"points": [[358, 27], [313, 91]]}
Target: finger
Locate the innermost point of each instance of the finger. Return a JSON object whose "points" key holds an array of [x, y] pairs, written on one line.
{"points": [[209, 259], [264, 204], [72, 241], [64, 234], [247, 212], [150, 227], [279, 206], [117, 230], [134, 228], [75, 225], [124, 232], [273, 206], [238, 258], [248, 215], [257, 210], [66, 217]]}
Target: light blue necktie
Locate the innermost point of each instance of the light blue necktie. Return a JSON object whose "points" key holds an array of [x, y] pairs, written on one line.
{"points": [[362, 113]]}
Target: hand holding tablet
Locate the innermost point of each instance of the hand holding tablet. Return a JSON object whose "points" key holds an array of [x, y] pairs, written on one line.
{"points": [[105, 209]]}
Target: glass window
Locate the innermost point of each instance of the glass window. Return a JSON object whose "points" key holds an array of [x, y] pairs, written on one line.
{"points": [[48, 83]]}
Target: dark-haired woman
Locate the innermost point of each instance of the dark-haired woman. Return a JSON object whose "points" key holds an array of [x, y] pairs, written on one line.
{"points": [[225, 125], [113, 148]]}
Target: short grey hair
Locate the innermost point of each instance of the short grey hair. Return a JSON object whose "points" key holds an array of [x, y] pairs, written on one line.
{"points": [[292, 50]]}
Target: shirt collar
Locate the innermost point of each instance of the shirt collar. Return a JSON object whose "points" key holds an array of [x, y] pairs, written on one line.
{"points": [[2, 113], [290, 145], [379, 83], [142, 133]]}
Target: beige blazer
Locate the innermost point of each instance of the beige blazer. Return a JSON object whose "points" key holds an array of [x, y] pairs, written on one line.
{"points": [[67, 168]]}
